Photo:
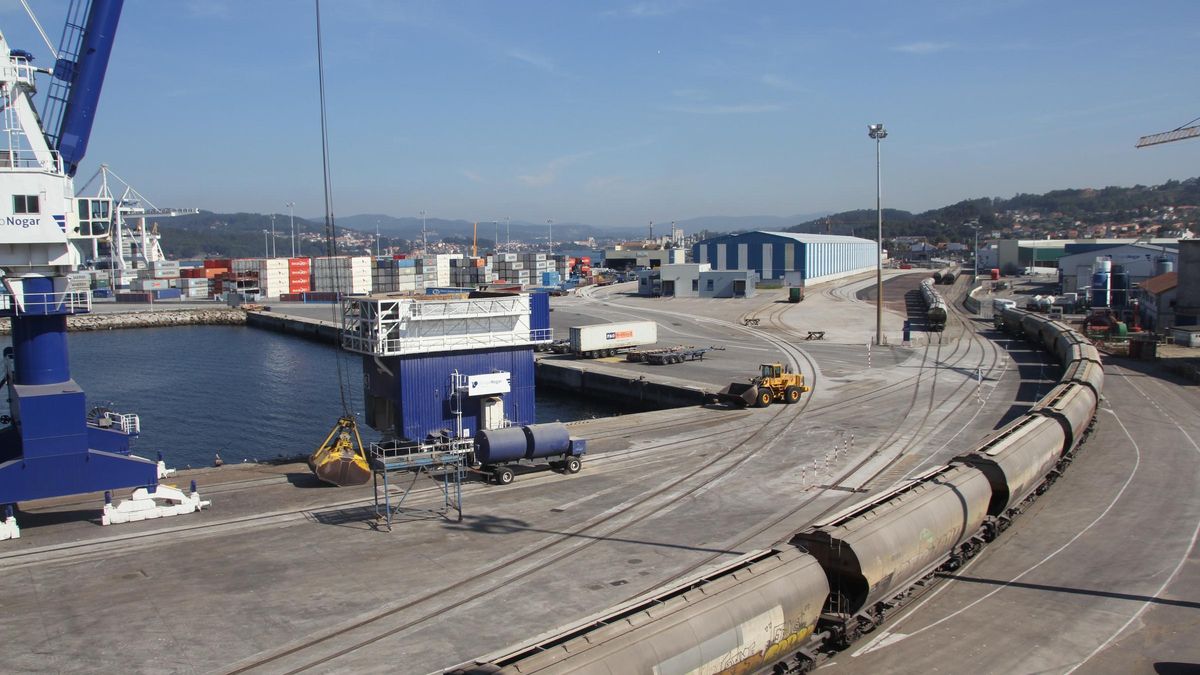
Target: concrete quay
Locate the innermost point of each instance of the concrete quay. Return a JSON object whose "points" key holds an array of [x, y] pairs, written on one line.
{"points": [[283, 574]]}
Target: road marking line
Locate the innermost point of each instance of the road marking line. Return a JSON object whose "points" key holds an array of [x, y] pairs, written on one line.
{"points": [[876, 642], [1183, 559]]}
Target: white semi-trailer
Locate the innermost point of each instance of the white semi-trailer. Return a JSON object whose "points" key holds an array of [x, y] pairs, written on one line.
{"points": [[607, 339]]}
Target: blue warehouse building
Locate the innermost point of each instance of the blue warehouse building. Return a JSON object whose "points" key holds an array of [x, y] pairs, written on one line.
{"points": [[774, 255]]}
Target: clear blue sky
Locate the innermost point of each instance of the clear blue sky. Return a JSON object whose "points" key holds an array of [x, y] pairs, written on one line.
{"points": [[623, 112]]}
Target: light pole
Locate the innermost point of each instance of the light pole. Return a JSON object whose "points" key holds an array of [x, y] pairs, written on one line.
{"points": [[424, 241], [550, 224], [272, 235], [266, 246], [292, 217], [376, 237], [508, 233], [975, 224], [877, 132]]}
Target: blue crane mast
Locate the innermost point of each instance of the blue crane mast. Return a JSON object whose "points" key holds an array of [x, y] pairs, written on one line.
{"points": [[51, 444]]}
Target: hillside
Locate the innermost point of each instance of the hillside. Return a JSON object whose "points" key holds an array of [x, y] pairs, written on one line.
{"points": [[1136, 210]]}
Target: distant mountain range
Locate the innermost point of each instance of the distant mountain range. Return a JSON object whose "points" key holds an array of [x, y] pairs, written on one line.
{"points": [[242, 234], [410, 227]]}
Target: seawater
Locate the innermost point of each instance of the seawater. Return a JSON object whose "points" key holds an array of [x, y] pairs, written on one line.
{"points": [[243, 393]]}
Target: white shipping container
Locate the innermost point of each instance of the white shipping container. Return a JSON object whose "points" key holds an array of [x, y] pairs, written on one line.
{"points": [[588, 340]]}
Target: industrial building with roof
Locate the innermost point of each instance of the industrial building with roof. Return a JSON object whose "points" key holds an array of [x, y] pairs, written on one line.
{"points": [[1011, 256], [778, 255], [1137, 261]]}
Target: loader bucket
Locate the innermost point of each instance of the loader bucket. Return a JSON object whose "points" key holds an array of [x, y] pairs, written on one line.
{"points": [[739, 394]]}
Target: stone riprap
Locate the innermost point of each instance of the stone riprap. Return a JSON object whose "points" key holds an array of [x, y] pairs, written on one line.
{"points": [[149, 319]]}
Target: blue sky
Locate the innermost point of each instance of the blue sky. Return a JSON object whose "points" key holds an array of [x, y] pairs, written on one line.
{"points": [[618, 113]]}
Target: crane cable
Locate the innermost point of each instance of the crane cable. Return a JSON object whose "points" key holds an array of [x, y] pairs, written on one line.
{"points": [[330, 228]]}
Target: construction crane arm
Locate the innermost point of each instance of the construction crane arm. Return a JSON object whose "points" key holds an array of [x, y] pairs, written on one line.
{"points": [[1169, 136]]}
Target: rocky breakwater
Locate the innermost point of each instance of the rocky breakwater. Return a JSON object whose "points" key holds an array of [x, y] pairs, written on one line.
{"points": [[158, 318]]}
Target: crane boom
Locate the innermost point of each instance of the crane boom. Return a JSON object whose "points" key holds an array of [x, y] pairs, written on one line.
{"points": [[1169, 136], [85, 78]]}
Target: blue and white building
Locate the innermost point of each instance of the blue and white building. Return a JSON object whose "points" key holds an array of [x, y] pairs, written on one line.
{"points": [[776, 255], [446, 365]]}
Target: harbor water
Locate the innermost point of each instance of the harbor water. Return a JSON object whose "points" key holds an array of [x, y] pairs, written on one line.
{"points": [[240, 392]]}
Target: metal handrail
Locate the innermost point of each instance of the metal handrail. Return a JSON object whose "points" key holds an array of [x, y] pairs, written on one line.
{"points": [[72, 301]]}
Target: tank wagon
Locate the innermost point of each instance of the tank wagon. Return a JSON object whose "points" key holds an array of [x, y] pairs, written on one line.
{"points": [[876, 549], [820, 588], [935, 313], [496, 450], [767, 603], [945, 276]]}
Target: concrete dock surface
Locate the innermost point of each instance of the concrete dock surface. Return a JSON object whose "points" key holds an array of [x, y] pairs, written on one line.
{"points": [[283, 574]]}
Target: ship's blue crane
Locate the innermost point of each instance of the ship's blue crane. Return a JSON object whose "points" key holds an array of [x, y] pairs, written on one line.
{"points": [[50, 443]]}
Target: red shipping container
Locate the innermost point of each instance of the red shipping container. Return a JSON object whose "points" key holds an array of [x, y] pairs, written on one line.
{"points": [[219, 262], [586, 260], [299, 286], [299, 263]]}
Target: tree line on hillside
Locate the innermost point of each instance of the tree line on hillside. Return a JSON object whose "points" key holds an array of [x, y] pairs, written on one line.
{"points": [[1067, 207]]}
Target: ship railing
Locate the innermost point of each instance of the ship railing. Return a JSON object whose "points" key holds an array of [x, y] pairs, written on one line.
{"points": [[70, 301], [381, 346], [127, 423]]}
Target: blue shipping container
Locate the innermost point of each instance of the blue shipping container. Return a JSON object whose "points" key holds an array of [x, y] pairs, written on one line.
{"points": [[167, 294]]}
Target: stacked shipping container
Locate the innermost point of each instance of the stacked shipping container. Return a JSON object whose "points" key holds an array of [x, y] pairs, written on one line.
{"points": [[436, 269], [342, 274], [299, 275], [397, 274], [526, 269], [470, 272], [273, 274]]}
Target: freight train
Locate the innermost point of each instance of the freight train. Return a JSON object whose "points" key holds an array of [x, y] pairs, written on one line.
{"points": [[821, 588], [945, 276], [935, 312]]}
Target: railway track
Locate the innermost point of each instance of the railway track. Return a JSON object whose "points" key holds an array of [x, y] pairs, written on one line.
{"points": [[558, 548], [553, 549], [878, 477]]}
